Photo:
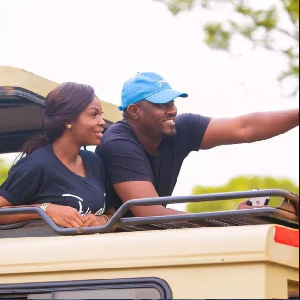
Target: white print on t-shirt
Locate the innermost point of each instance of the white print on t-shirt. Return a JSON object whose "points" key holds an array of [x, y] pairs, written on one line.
{"points": [[101, 210], [80, 210]]}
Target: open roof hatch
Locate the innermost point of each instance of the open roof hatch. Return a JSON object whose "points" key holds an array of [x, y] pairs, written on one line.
{"points": [[22, 97]]}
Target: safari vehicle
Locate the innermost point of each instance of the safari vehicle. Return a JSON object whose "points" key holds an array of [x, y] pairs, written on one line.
{"points": [[245, 254]]}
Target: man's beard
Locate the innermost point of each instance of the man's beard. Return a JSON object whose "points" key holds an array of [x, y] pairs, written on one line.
{"points": [[173, 133]]}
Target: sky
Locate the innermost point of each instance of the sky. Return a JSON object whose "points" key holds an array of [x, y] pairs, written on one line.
{"points": [[103, 43]]}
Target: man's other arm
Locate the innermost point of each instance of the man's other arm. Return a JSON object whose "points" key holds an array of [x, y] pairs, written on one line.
{"points": [[249, 128], [142, 189]]}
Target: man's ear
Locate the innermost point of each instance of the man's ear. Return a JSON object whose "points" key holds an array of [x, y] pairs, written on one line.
{"points": [[132, 110]]}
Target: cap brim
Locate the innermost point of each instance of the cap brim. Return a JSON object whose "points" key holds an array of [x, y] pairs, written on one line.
{"points": [[165, 96]]}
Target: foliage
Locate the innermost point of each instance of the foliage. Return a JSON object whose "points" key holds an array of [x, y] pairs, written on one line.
{"points": [[240, 183], [262, 27], [3, 171]]}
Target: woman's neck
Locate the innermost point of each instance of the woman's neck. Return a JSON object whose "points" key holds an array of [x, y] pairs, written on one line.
{"points": [[64, 150], [68, 154]]}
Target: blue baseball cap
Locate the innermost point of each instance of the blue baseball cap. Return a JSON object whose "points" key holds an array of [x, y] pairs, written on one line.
{"points": [[148, 86]]}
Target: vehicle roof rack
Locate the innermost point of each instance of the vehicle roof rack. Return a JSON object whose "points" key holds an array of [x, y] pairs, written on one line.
{"points": [[286, 214]]}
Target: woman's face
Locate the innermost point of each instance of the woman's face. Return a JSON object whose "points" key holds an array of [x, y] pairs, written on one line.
{"points": [[88, 128]]}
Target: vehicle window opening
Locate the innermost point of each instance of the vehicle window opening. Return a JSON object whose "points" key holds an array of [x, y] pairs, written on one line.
{"points": [[136, 288]]}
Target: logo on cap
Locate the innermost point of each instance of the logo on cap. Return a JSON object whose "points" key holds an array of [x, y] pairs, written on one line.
{"points": [[160, 82]]}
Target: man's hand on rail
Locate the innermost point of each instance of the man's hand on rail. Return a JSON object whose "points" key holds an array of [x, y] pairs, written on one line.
{"points": [[244, 205]]}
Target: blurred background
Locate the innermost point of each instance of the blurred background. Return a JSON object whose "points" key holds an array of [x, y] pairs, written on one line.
{"points": [[232, 57]]}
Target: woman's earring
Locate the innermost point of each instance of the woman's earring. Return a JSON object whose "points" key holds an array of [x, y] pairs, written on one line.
{"points": [[69, 126]]}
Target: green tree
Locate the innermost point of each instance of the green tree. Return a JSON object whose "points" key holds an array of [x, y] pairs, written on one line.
{"points": [[240, 183], [3, 171], [262, 27]]}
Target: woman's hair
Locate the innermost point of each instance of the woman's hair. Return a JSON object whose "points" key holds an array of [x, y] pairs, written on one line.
{"points": [[63, 105]]}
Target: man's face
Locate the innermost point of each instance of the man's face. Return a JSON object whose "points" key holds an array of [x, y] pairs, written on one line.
{"points": [[157, 119]]}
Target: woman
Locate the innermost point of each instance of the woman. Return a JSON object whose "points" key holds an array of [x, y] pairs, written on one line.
{"points": [[55, 175]]}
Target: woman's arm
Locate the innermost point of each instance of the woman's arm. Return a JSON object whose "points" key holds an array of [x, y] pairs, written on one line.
{"points": [[9, 219], [65, 216]]}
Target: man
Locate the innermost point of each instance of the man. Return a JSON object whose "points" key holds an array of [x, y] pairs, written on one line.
{"points": [[144, 152]]}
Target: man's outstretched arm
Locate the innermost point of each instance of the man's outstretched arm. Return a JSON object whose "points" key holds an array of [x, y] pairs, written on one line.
{"points": [[249, 128]]}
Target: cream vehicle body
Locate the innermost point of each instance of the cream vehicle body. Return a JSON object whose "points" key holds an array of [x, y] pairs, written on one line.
{"points": [[249, 254]]}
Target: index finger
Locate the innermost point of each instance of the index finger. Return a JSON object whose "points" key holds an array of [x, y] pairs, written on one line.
{"points": [[76, 219]]}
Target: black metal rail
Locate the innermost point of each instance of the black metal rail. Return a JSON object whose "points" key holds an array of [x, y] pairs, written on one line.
{"points": [[220, 218]]}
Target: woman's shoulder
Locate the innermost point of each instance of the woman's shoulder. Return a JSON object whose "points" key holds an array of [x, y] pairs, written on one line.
{"points": [[91, 156], [93, 161], [35, 160]]}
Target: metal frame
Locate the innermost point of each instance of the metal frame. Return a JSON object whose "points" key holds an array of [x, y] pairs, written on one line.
{"points": [[45, 287], [220, 218], [22, 94]]}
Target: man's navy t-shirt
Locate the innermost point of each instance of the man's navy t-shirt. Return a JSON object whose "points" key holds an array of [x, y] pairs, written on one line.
{"points": [[41, 177], [126, 160]]}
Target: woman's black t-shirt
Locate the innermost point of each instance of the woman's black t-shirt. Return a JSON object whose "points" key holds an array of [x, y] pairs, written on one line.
{"points": [[41, 177]]}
